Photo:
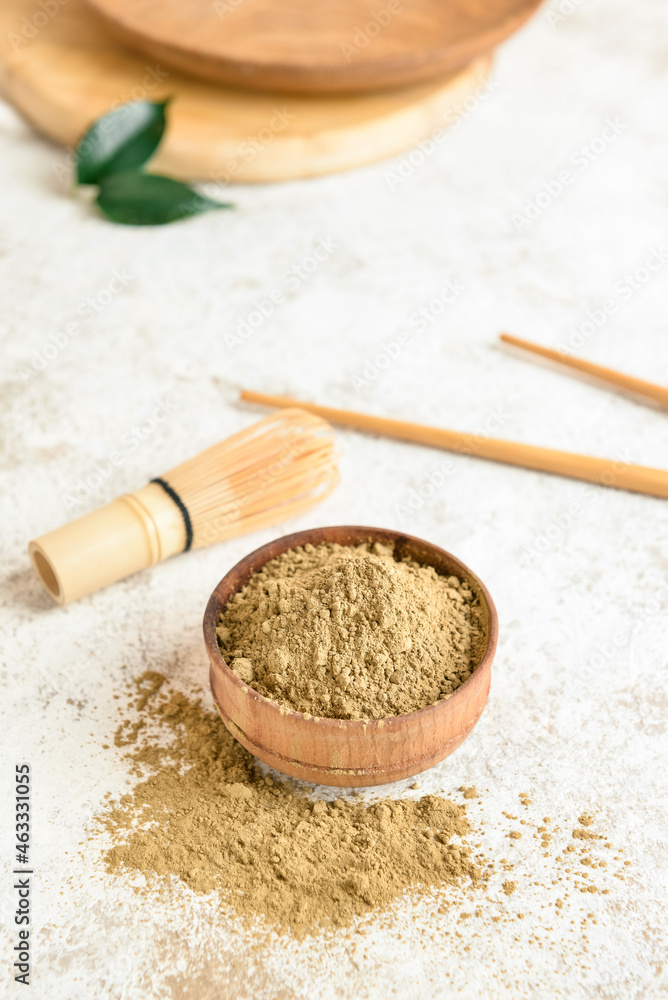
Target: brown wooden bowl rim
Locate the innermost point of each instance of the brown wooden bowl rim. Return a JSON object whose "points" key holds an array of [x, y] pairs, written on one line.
{"points": [[254, 561], [404, 69]]}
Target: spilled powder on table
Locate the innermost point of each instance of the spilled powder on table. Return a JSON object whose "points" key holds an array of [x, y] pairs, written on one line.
{"points": [[206, 814], [350, 632], [203, 812]]}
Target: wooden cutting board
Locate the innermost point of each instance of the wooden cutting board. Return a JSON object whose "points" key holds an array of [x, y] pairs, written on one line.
{"points": [[63, 71], [311, 46]]}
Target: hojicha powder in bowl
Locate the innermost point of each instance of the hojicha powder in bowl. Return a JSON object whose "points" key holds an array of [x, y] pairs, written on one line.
{"points": [[349, 655], [351, 632]]}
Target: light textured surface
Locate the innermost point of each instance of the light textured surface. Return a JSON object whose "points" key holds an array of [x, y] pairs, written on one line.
{"points": [[577, 712]]}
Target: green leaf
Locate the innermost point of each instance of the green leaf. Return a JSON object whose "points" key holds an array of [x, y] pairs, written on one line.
{"points": [[124, 139], [137, 199]]}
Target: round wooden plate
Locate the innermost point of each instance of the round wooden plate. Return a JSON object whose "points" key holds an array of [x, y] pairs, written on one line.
{"points": [[315, 45], [344, 752], [65, 73]]}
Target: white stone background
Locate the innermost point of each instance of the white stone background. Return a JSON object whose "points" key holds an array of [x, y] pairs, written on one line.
{"points": [[575, 723]]}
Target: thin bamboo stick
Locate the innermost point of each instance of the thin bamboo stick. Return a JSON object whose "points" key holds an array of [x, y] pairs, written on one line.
{"points": [[648, 392], [604, 471]]}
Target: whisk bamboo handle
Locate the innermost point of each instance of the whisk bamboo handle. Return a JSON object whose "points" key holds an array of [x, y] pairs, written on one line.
{"points": [[604, 471], [135, 531], [648, 392], [268, 472]]}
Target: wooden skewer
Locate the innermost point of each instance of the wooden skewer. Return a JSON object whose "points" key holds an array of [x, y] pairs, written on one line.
{"points": [[648, 392], [604, 471]]}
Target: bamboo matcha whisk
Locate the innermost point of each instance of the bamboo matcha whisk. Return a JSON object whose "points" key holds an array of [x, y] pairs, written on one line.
{"points": [[271, 471]]}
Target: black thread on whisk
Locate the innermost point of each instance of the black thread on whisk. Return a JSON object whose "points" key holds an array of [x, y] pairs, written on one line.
{"points": [[173, 495]]}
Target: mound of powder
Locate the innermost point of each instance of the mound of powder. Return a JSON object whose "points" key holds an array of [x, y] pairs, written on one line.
{"points": [[204, 813], [349, 632]]}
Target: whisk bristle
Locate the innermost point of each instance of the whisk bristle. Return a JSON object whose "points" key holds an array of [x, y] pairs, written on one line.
{"points": [[271, 471]]}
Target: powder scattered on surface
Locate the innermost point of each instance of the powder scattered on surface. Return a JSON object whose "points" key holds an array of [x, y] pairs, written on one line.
{"points": [[349, 632], [206, 814]]}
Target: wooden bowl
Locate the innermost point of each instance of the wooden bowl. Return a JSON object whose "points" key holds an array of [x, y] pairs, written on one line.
{"points": [[311, 47], [340, 751]]}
